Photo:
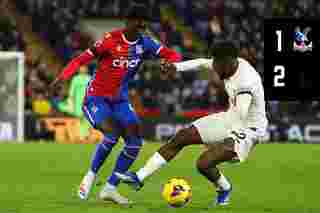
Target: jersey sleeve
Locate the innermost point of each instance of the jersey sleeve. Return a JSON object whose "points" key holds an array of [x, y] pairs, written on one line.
{"points": [[158, 50], [249, 83], [245, 89], [249, 86], [101, 46], [193, 64], [72, 67], [151, 46], [243, 103]]}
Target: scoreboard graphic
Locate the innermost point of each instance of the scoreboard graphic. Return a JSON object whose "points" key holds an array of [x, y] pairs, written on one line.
{"points": [[292, 59]]}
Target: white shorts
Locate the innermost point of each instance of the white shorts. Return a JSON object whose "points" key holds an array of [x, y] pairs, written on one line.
{"points": [[216, 127]]}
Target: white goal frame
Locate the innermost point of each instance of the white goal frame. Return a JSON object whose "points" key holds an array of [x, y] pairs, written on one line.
{"points": [[20, 57]]}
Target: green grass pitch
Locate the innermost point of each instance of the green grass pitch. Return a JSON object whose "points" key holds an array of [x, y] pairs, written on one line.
{"points": [[43, 178]]}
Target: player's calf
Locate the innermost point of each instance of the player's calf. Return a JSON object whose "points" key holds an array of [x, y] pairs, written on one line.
{"points": [[166, 153], [128, 155], [102, 151], [207, 166], [184, 137], [216, 153]]}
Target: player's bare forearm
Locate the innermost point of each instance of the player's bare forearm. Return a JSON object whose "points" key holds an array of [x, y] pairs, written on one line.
{"points": [[194, 64]]}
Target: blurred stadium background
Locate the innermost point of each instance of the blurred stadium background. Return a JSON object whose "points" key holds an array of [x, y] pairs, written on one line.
{"points": [[51, 32], [40, 178]]}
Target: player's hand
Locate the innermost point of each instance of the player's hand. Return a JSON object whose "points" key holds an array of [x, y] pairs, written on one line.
{"points": [[167, 69], [54, 84]]}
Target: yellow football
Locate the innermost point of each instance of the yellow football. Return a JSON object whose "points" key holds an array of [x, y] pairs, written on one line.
{"points": [[177, 192]]}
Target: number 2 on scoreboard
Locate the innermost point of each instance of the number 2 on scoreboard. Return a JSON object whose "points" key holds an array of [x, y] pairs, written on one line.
{"points": [[280, 74]]}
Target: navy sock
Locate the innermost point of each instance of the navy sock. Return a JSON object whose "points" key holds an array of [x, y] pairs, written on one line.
{"points": [[102, 151], [126, 158]]}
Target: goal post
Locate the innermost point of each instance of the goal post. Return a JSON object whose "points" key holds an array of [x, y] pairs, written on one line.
{"points": [[12, 96]]}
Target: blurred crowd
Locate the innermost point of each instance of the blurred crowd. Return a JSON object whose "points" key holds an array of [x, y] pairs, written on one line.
{"points": [[57, 22], [297, 8], [67, 40], [209, 20], [10, 38]]}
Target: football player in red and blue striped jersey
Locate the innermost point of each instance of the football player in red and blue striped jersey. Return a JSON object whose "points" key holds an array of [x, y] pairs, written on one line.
{"points": [[106, 105]]}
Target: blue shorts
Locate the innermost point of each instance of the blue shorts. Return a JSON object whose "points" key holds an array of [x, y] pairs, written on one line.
{"points": [[97, 109]]}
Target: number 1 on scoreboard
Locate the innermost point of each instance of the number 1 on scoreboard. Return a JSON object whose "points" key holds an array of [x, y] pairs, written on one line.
{"points": [[279, 40]]}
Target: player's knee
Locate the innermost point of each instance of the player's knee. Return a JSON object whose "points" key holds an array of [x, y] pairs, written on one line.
{"points": [[202, 165], [133, 145], [228, 145], [226, 149], [183, 137]]}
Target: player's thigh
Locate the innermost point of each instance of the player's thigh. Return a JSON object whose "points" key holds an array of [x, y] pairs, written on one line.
{"points": [[187, 136], [99, 113], [216, 127], [128, 119], [245, 140], [236, 147], [217, 153]]}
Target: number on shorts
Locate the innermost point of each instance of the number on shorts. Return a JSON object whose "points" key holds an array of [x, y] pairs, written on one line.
{"points": [[239, 135]]}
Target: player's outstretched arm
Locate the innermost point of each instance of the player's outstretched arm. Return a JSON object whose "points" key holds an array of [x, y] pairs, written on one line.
{"points": [[83, 59], [72, 67], [193, 64], [168, 68]]}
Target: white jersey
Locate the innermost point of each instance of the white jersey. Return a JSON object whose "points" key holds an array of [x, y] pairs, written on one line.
{"points": [[245, 80]]}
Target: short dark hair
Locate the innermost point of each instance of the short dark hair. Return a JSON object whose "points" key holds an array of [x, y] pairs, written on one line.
{"points": [[138, 11], [222, 49]]}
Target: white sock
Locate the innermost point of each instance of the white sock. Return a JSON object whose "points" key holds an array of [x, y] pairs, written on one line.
{"points": [[153, 164], [91, 173], [223, 183], [109, 187]]}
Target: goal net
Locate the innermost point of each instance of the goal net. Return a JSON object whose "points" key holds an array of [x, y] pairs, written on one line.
{"points": [[11, 96]]}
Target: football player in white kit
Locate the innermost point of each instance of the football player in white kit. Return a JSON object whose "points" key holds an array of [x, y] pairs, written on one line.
{"points": [[229, 135]]}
